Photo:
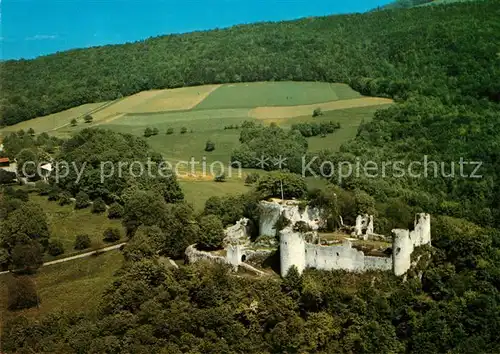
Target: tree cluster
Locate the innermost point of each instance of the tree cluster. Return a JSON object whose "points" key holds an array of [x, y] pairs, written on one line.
{"points": [[268, 147], [313, 129]]}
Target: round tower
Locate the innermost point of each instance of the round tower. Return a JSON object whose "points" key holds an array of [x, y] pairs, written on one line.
{"points": [[402, 248], [292, 251]]}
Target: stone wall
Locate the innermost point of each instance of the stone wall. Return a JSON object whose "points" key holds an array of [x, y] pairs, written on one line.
{"points": [[295, 251], [233, 257], [234, 254], [194, 255], [405, 241], [378, 263], [327, 257], [271, 211], [334, 257], [239, 233]]}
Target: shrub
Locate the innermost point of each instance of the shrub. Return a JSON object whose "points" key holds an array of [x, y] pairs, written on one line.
{"points": [[27, 258], [55, 248], [17, 193], [170, 131], [73, 122], [154, 131], [301, 226], [212, 232], [317, 112], [88, 118], [82, 242], [148, 132], [54, 193], [184, 130], [82, 200], [111, 234], [209, 146], [22, 293], [98, 206], [64, 199], [220, 178], [42, 187], [252, 178], [115, 211]]}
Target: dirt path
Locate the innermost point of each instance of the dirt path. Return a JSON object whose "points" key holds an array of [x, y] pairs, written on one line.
{"points": [[78, 256], [296, 111]]}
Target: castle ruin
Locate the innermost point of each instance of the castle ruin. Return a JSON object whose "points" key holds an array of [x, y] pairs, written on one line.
{"points": [[296, 227]]}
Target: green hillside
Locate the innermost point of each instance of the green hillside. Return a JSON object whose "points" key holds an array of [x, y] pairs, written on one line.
{"points": [[396, 47], [257, 94], [406, 4]]}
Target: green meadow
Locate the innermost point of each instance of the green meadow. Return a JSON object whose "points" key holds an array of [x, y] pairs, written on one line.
{"points": [[74, 286], [201, 128], [65, 223], [268, 94], [227, 105]]}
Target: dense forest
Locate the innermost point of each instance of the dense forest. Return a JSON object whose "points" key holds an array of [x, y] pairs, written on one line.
{"points": [[403, 4], [442, 66]]}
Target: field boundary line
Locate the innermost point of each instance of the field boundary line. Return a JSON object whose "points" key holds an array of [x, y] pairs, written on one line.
{"points": [[283, 112], [92, 111]]}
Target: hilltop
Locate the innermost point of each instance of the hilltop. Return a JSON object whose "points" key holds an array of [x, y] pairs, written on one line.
{"points": [[395, 47], [406, 4]]}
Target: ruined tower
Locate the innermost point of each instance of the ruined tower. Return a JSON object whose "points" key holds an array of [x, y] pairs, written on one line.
{"points": [[292, 250], [405, 241]]}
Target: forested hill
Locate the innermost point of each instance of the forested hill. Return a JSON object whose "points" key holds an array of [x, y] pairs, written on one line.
{"points": [[406, 4], [451, 49]]}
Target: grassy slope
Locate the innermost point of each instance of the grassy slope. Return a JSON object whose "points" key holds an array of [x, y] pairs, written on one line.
{"points": [[349, 120], [192, 144], [53, 121], [73, 286], [65, 223], [197, 192], [258, 94]]}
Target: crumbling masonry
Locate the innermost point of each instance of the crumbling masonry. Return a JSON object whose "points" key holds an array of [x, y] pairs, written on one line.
{"points": [[299, 246]]}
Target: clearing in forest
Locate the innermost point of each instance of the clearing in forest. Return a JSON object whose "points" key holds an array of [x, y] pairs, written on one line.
{"points": [[153, 101], [283, 93], [294, 111], [71, 286], [54, 121]]}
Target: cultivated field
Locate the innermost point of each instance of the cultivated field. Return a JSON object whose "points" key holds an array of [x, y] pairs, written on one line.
{"points": [[294, 111], [153, 101], [286, 93], [54, 121], [205, 112], [143, 102]]}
